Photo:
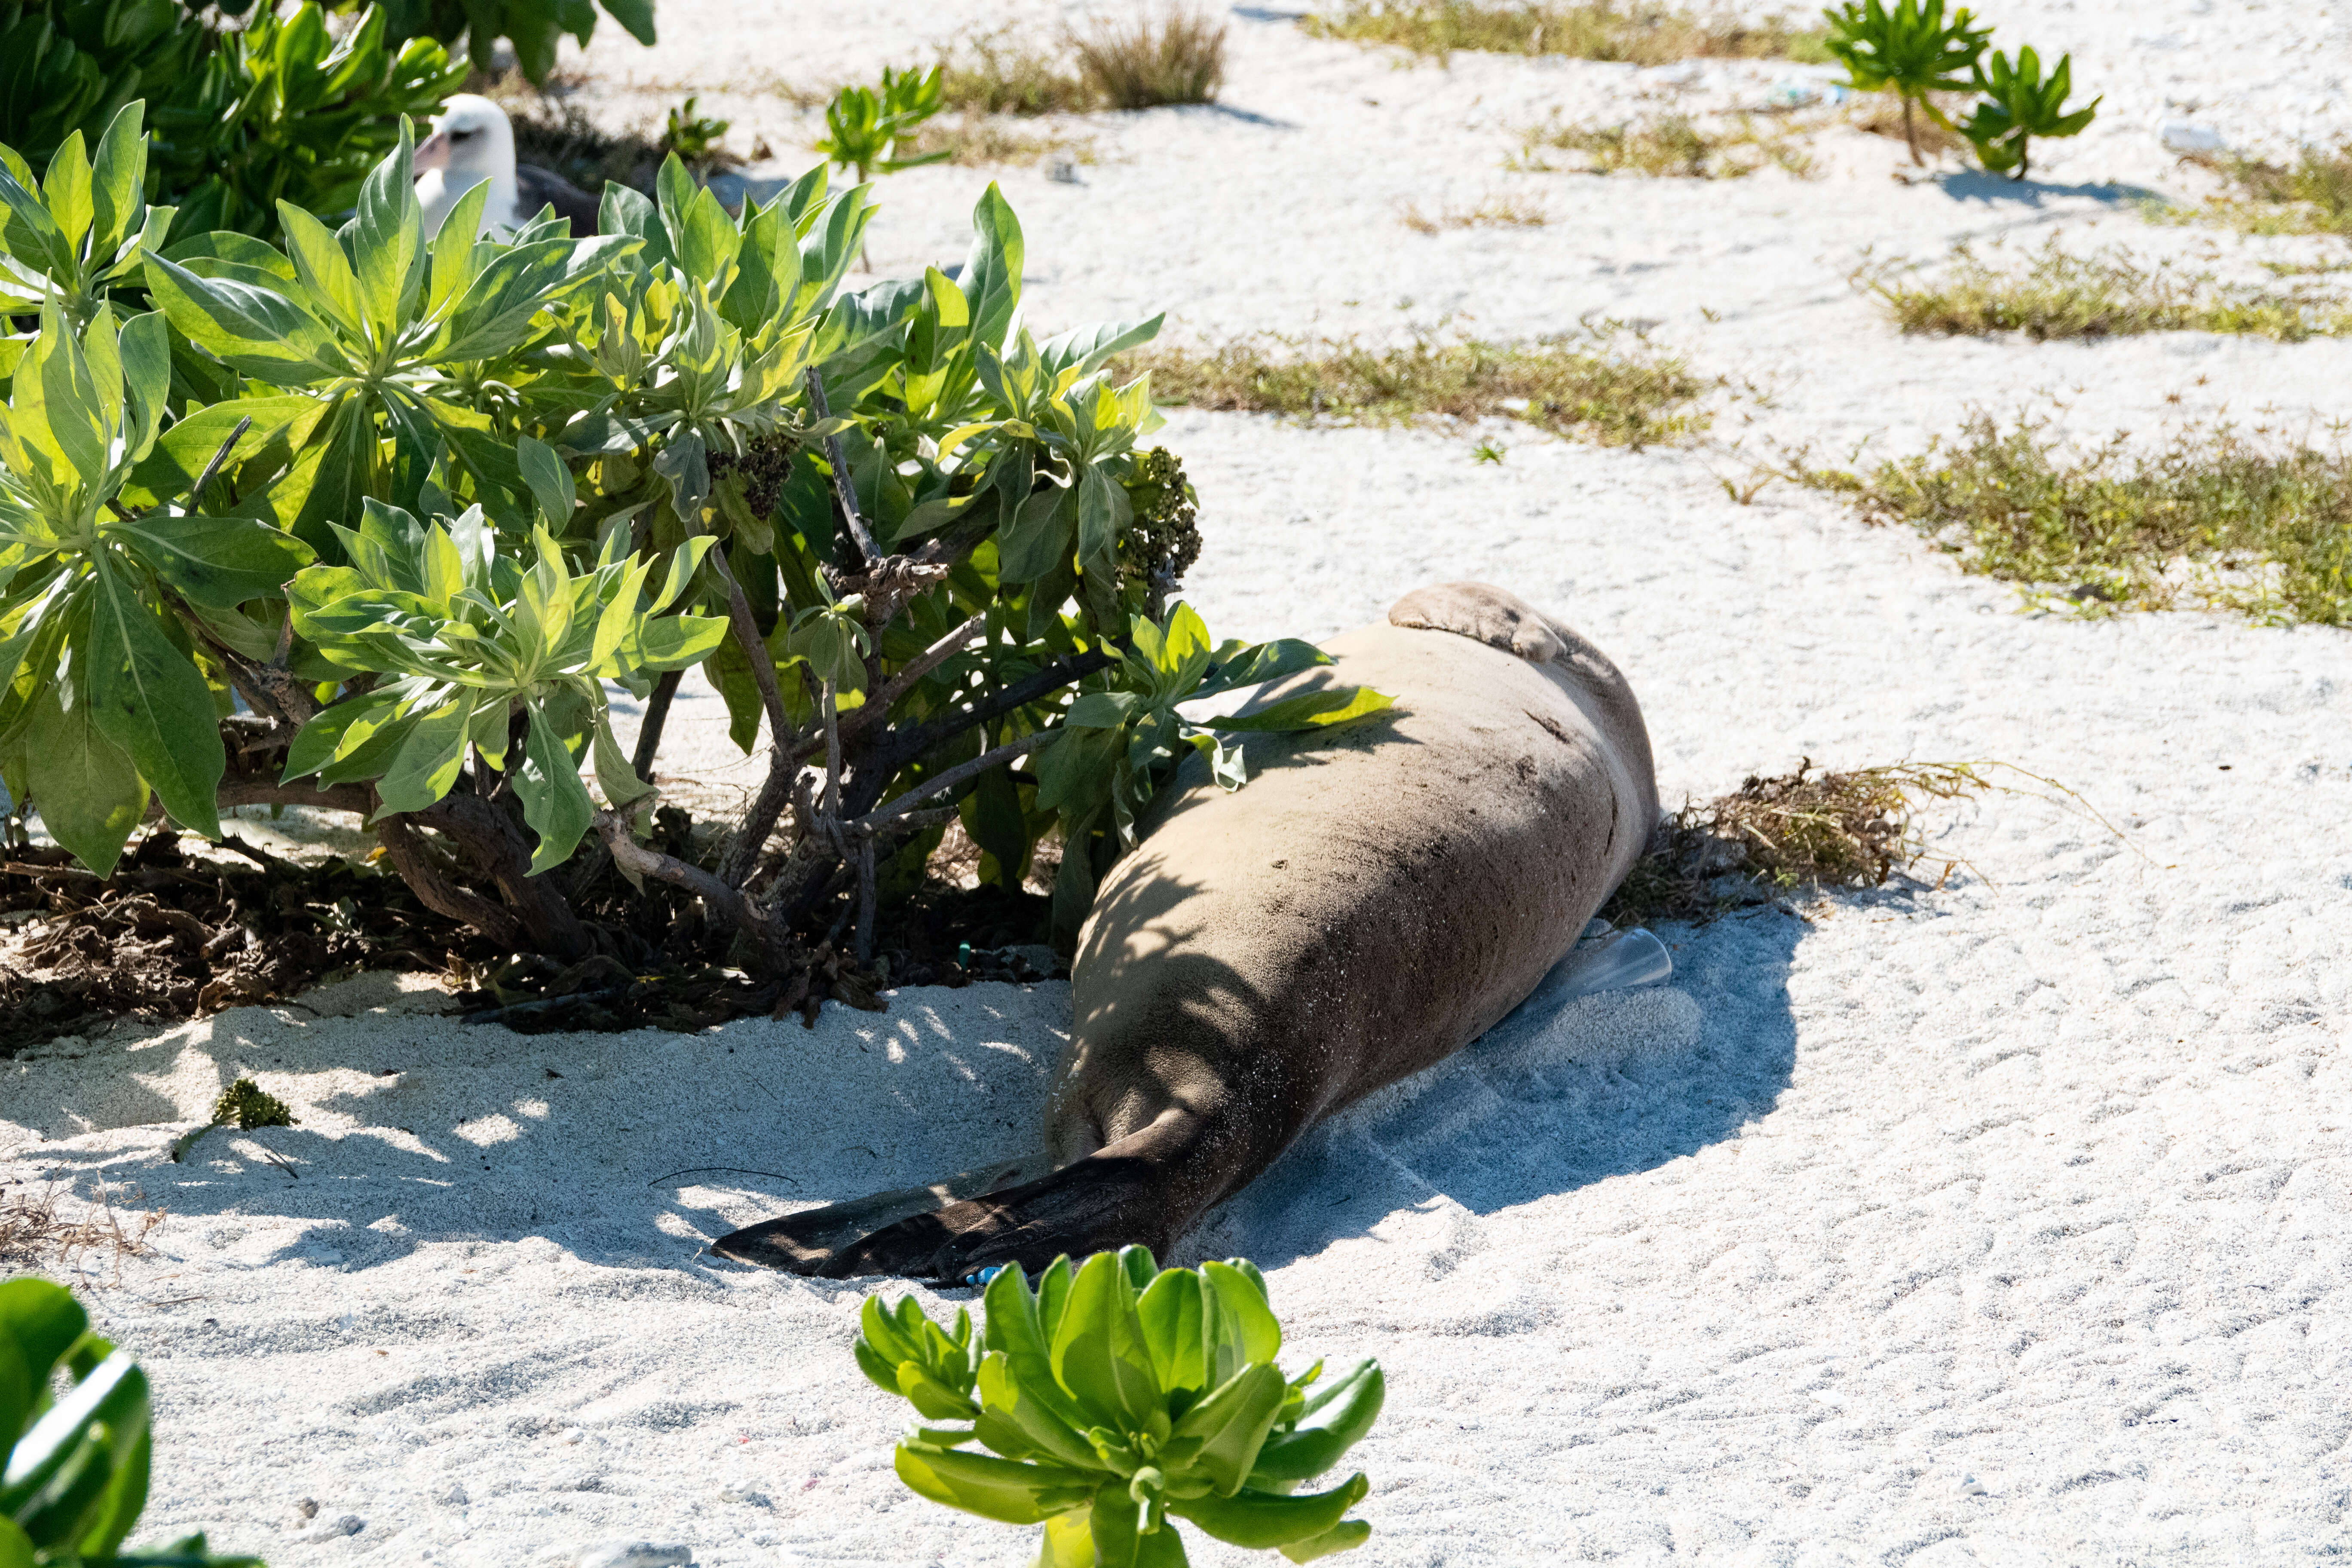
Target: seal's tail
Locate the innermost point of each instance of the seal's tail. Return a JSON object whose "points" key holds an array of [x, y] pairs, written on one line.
{"points": [[1128, 1191]]}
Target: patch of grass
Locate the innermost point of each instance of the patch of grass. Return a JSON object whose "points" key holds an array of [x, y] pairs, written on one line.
{"points": [[1176, 56], [2215, 517], [1792, 834], [2060, 295], [1005, 73], [1494, 212], [1671, 146], [2311, 195], [1643, 34], [1580, 386], [992, 141]]}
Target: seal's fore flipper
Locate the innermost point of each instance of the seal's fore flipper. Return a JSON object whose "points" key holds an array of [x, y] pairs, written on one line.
{"points": [[798, 1241]]}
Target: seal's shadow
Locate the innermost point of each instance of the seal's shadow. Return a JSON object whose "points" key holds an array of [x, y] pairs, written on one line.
{"points": [[1642, 1078]]}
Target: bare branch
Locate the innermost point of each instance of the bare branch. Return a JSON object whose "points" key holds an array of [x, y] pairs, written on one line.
{"points": [[649, 727], [631, 855], [859, 534], [755, 648], [896, 749], [404, 847], [899, 804], [878, 705], [220, 455]]}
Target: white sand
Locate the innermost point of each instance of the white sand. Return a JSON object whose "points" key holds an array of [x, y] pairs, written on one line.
{"points": [[2040, 1180]]}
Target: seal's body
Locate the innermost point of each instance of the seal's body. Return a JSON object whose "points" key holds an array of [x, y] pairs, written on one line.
{"points": [[1374, 898]]}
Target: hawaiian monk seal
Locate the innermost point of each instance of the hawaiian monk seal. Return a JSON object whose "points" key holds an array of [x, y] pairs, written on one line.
{"points": [[1374, 898]]}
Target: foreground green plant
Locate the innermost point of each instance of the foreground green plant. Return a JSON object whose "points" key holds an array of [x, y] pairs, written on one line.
{"points": [[1911, 51], [369, 523], [2059, 295], [2214, 516], [1119, 1398], [2018, 106], [76, 1460], [1576, 386], [1644, 33]]}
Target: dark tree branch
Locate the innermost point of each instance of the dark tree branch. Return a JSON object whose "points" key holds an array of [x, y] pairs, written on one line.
{"points": [[878, 705], [860, 537], [896, 749], [234, 791], [899, 804], [657, 715], [491, 837], [405, 848], [723, 901]]}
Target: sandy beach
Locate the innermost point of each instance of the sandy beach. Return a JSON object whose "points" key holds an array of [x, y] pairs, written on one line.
{"points": [[2008, 1221]]}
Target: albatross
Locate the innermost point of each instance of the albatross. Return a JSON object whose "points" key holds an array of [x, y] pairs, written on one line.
{"points": [[472, 142]]}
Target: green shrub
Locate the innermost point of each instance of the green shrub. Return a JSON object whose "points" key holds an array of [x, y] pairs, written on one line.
{"points": [[1911, 51], [413, 504], [533, 27], [241, 119], [1121, 1398], [78, 1460], [2018, 106]]}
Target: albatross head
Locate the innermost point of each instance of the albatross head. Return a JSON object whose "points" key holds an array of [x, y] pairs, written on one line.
{"points": [[471, 142]]}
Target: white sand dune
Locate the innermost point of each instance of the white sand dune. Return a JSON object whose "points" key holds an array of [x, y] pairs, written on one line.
{"points": [[2007, 1223]]}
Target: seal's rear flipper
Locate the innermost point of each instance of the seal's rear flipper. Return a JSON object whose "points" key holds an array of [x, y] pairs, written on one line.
{"points": [[802, 1242], [1142, 1188]]}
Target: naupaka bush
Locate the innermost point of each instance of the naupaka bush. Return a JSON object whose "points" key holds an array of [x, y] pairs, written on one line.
{"points": [[379, 522]]}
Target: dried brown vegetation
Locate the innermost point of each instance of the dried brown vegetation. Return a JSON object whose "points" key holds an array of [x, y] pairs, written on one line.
{"points": [[1790, 834], [1644, 33], [34, 1234]]}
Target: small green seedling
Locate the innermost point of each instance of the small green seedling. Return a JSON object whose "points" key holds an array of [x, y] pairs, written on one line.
{"points": [[2018, 106], [76, 1476], [695, 138], [1119, 1398], [1909, 50], [244, 1105], [869, 131]]}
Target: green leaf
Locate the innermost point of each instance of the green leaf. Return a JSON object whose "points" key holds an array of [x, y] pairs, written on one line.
{"points": [[330, 733], [550, 481], [1241, 1328], [1039, 537], [555, 802], [1259, 1520], [38, 1323], [15, 1548], [254, 330], [1003, 1490], [66, 186], [1232, 1423], [426, 765], [325, 272], [218, 562], [1266, 661], [118, 1507], [147, 698], [1171, 1311], [1098, 1351], [388, 240], [1345, 1536], [992, 273], [120, 176], [1103, 710], [1310, 710], [620, 782], [1336, 1417]]}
